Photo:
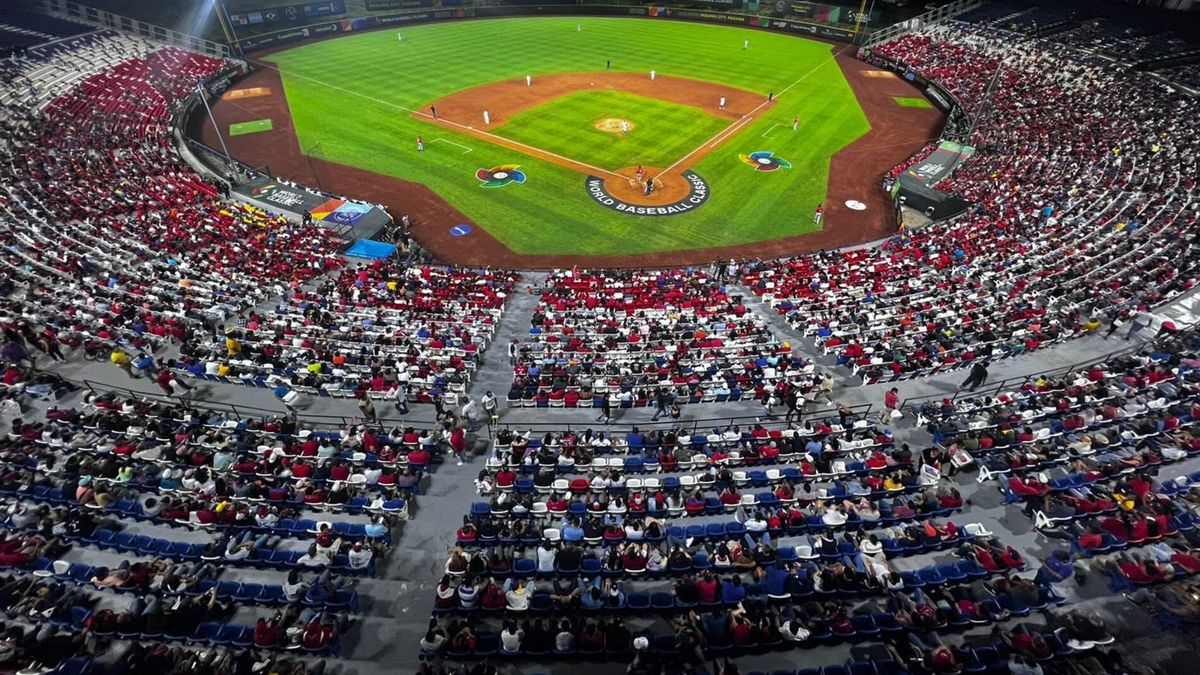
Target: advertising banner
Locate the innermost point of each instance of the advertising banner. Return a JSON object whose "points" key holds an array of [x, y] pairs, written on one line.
{"points": [[260, 41], [702, 15], [385, 5], [280, 195], [825, 13], [289, 14], [940, 164], [719, 4]]}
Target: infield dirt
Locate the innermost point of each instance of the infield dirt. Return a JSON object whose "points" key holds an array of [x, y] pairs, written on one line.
{"points": [[855, 173]]}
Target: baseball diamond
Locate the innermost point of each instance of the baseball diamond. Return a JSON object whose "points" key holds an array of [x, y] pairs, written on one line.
{"points": [[544, 109], [496, 337]]}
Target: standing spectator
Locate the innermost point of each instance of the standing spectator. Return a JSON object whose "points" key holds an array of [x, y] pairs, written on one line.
{"points": [[469, 413], [891, 405], [978, 376], [795, 405], [1140, 320], [768, 400], [121, 360], [660, 403], [491, 408], [399, 396], [367, 407], [458, 443], [605, 409], [825, 389], [439, 403]]}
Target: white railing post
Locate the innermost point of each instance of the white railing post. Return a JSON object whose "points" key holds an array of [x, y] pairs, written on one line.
{"points": [[934, 16]]}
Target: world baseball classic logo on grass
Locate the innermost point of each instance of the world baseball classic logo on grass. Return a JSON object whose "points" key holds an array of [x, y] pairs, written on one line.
{"points": [[499, 176], [765, 161], [697, 195]]}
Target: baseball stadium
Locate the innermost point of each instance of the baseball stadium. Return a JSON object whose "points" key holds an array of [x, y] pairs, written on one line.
{"points": [[711, 337]]}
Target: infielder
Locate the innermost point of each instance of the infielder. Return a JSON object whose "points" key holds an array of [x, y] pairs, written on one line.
{"points": [[795, 123], [624, 127], [528, 80], [652, 74], [420, 144], [819, 214], [721, 105]]}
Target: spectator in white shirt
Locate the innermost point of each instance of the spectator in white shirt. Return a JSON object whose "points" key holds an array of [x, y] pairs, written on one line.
{"points": [[360, 556], [313, 558]]}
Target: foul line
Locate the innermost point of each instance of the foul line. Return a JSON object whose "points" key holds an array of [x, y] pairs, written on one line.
{"points": [[499, 140], [768, 131], [749, 117], [442, 140]]}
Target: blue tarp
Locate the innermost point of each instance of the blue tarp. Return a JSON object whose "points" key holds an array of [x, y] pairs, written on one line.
{"points": [[372, 250]]}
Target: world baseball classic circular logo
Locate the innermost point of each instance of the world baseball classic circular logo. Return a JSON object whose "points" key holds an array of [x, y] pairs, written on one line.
{"points": [[696, 195], [499, 176], [765, 161]]}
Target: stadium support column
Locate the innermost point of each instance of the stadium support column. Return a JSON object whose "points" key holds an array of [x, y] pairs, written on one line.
{"points": [[863, 17], [220, 137], [985, 107], [227, 27], [311, 167]]}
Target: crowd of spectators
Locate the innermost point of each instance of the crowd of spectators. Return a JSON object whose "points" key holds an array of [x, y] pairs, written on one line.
{"points": [[1102, 157], [385, 330], [660, 339], [113, 238]]}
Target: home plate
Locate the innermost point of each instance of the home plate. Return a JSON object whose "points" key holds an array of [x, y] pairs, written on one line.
{"points": [[856, 205]]}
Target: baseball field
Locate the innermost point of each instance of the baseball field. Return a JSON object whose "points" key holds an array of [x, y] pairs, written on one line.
{"points": [[543, 133]]}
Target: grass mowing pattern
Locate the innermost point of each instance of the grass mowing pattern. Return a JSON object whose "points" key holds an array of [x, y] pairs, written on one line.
{"points": [[662, 132], [353, 95], [249, 127]]}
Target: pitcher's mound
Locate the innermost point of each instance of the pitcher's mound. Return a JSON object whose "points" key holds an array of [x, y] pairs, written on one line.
{"points": [[612, 125]]}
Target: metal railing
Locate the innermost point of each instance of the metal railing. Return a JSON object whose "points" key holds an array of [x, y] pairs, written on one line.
{"points": [[932, 17], [245, 412], [240, 411], [860, 411], [97, 17], [1008, 383]]}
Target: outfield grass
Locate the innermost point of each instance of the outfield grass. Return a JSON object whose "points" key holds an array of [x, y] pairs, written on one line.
{"points": [[249, 127], [912, 102], [661, 132], [353, 95]]}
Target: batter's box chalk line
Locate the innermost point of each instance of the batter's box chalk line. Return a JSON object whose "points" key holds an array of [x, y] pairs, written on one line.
{"points": [[465, 149]]}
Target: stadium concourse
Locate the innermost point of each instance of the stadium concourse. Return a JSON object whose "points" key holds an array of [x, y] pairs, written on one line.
{"points": [[237, 453]]}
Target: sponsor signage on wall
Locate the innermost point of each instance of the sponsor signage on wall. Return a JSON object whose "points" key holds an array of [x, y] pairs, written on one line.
{"points": [[940, 164], [289, 13], [385, 5]]}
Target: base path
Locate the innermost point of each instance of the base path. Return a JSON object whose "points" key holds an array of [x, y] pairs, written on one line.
{"points": [[855, 173], [463, 111]]}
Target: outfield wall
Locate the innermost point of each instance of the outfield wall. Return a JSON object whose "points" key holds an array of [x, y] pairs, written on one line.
{"points": [[333, 28]]}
